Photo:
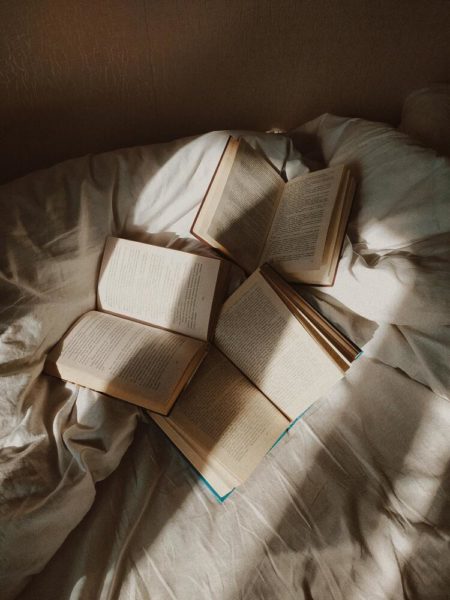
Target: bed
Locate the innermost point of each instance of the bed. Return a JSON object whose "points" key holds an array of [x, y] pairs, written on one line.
{"points": [[352, 503]]}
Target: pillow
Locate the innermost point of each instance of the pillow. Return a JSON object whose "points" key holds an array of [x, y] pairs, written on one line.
{"points": [[403, 188]]}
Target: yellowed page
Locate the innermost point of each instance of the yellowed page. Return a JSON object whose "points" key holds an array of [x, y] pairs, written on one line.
{"points": [[132, 361], [260, 335], [226, 421], [338, 343], [299, 231], [336, 235], [161, 286], [221, 479], [212, 199], [244, 214]]}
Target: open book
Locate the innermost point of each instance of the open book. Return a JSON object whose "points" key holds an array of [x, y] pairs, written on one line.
{"points": [[273, 356], [254, 217], [156, 311]]}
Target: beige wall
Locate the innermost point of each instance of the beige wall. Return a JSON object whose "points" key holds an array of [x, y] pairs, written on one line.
{"points": [[85, 76]]}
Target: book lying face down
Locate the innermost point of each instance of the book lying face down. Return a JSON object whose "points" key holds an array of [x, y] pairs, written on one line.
{"points": [[254, 217], [273, 356], [156, 311]]}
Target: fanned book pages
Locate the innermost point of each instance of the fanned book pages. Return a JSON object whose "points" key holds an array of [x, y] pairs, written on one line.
{"points": [[273, 356], [156, 311], [254, 217]]}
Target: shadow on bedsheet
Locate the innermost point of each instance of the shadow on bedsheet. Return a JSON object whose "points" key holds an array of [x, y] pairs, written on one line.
{"points": [[422, 576], [341, 511], [358, 507]]}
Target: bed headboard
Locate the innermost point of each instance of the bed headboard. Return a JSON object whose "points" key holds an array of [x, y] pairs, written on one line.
{"points": [[82, 76]]}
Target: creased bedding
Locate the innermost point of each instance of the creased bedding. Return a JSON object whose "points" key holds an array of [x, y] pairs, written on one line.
{"points": [[352, 503]]}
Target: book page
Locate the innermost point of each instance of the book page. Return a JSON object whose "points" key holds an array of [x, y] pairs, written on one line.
{"points": [[229, 424], [347, 351], [336, 231], [299, 231], [244, 214], [161, 286], [260, 335], [132, 361], [217, 476]]}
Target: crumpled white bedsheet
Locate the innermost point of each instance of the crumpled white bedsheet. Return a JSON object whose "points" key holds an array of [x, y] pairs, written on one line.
{"points": [[351, 504]]}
